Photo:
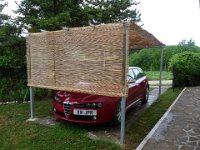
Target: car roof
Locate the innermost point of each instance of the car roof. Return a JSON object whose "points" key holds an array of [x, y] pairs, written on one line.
{"points": [[134, 67]]}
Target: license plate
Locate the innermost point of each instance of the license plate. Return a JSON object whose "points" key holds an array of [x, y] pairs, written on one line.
{"points": [[85, 112]]}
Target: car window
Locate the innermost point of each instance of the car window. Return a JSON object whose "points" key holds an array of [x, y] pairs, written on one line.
{"points": [[130, 79], [141, 73], [130, 73], [136, 71], [140, 70]]}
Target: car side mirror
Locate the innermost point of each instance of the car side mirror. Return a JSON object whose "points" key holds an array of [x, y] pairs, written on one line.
{"points": [[131, 80]]}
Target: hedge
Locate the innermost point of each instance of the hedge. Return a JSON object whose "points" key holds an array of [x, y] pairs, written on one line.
{"points": [[187, 66]]}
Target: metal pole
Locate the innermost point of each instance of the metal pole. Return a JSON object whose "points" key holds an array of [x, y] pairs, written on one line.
{"points": [[31, 103], [123, 111], [160, 81]]}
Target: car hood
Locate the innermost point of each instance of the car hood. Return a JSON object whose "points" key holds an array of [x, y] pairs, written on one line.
{"points": [[78, 97]]}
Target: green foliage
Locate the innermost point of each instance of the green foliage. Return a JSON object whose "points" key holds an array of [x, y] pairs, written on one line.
{"points": [[50, 15], [17, 90], [155, 75], [12, 51], [53, 15], [12, 55], [12, 90], [111, 11], [149, 59], [12, 47], [8, 60], [3, 17], [187, 68]]}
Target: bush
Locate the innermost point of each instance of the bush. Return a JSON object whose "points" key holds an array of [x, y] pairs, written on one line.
{"points": [[147, 59], [17, 90], [187, 68], [12, 90]]}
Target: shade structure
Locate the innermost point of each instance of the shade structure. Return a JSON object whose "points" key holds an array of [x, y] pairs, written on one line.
{"points": [[140, 38], [89, 59]]}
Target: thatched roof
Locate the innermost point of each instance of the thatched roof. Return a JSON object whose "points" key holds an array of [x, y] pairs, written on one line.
{"points": [[140, 38]]}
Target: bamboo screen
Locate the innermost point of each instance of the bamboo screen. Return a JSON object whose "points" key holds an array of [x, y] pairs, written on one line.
{"points": [[139, 38], [85, 60]]}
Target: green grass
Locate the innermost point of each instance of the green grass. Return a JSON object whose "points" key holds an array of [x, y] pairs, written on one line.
{"points": [[136, 131], [17, 133], [155, 75]]}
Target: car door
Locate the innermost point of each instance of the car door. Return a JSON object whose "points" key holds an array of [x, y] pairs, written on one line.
{"points": [[141, 82], [133, 94]]}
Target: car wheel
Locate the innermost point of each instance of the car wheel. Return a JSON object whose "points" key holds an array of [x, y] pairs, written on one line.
{"points": [[117, 114], [146, 96]]}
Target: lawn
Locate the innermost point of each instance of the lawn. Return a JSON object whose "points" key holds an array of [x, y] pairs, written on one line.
{"points": [[17, 133], [137, 130], [155, 75]]}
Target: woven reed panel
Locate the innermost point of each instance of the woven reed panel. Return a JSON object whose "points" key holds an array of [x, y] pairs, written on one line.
{"points": [[84, 60], [139, 38], [40, 64]]}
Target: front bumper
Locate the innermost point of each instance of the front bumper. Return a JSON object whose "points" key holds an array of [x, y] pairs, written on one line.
{"points": [[88, 120], [103, 114]]}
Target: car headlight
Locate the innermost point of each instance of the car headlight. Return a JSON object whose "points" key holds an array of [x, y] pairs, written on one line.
{"points": [[56, 99]]}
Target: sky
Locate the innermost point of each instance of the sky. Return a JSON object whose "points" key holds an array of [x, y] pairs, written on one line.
{"points": [[170, 21]]}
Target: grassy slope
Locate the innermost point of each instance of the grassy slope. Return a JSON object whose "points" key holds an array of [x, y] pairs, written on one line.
{"points": [[155, 75], [136, 131], [16, 133]]}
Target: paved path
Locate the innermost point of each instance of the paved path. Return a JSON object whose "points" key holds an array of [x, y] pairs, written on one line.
{"points": [[179, 129], [157, 82], [112, 133]]}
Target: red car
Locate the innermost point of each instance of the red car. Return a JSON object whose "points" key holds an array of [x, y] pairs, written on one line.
{"points": [[87, 108]]}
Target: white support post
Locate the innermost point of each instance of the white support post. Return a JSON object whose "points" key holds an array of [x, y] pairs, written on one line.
{"points": [[123, 111], [32, 104], [160, 81]]}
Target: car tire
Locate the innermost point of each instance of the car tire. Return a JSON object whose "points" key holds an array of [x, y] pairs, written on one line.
{"points": [[117, 114], [146, 96]]}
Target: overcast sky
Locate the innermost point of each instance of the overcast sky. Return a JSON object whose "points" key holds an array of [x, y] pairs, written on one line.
{"points": [[171, 21]]}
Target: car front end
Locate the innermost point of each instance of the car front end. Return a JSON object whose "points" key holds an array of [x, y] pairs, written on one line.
{"points": [[84, 108]]}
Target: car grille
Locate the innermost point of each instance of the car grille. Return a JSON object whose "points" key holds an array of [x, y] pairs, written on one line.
{"points": [[67, 108], [79, 106]]}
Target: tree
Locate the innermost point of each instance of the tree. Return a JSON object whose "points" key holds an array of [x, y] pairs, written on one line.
{"points": [[55, 14], [12, 47], [3, 17], [51, 15], [111, 10], [188, 45]]}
